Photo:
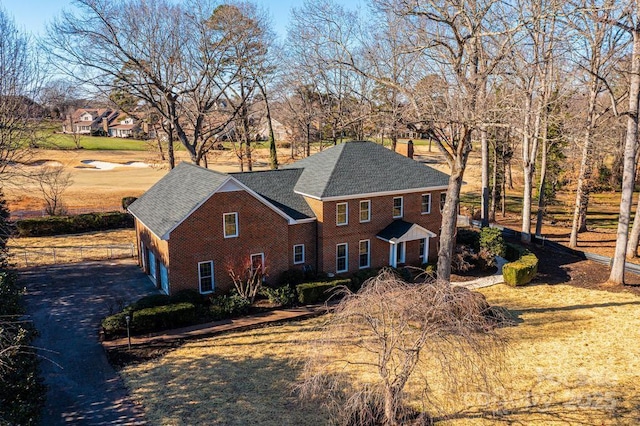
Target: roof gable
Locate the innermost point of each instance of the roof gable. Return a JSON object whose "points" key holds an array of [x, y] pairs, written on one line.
{"points": [[174, 197], [355, 168]]}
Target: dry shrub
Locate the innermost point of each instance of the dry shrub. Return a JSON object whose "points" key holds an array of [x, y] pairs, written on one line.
{"points": [[389, 334]]}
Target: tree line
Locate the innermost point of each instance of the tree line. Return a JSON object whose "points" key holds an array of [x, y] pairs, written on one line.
{"points": [[526, 82]]}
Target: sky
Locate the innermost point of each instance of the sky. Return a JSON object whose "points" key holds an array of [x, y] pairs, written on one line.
{"points": [[33, 15]]}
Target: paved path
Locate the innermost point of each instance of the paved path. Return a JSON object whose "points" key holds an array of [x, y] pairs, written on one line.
{"points": [[67, 303], [216, 327], [494, 279]]}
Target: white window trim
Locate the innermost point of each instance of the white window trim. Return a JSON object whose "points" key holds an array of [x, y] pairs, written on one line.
{"points": [[213, 279], [346, 257], [401, 207], [368, 265], [261, 260], [368, 211], [346, 216], [429, 205], [294, 254], [224, 224]]}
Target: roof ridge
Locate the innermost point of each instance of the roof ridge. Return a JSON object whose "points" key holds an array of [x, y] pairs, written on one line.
{"points": [[339, 152]]}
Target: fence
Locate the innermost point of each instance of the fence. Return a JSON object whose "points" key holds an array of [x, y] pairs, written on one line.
{"points": [[24, 256]]}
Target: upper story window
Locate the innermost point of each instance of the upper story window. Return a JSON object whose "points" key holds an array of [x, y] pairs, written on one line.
{"points": [[426, 204], [443, 199], [230, 225], [365, 211], [397, 207], [342, 214]]}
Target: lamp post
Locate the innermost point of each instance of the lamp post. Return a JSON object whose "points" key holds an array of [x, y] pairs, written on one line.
{"points": [[128, 319]]}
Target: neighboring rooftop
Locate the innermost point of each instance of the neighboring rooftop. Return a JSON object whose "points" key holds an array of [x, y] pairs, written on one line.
{"points": [[354, 168]]}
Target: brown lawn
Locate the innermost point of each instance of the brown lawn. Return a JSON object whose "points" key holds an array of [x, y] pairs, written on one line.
{"points": [[573, 358]]}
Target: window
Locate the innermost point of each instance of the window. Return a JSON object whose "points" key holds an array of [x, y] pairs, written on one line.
{"points": [[443, 198], [397, 207], [364, 254], [257, 262], [426, 204], [230, 225], [342, 214], [205, 276], [298, 254], [365, 211], [342, 262]]}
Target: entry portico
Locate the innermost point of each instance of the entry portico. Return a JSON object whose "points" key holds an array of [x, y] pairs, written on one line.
{"points": [[398, 233]]}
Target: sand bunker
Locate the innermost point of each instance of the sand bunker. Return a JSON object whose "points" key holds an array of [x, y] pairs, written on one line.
{"points": [[105, 165]]}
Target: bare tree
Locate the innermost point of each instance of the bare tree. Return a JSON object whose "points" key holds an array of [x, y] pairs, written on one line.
{"points": [[247, 276], [631, 24], [19, 83], [392, 332], [53, 182], [601, 43], [143, 47]]}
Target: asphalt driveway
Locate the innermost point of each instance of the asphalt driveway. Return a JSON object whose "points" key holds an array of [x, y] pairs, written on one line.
{"points": [[67, 302]]}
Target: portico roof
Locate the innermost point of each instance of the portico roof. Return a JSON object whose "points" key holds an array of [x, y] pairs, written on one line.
{"points": [[400, 231]]}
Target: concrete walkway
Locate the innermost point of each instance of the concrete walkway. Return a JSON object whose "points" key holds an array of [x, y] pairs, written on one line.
{"points": [[67, 303], [494, 279], [217, 327]]}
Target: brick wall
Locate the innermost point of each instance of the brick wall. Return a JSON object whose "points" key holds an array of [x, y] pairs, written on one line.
{"points": [[148, 240], [381, 216], [200, 238]]}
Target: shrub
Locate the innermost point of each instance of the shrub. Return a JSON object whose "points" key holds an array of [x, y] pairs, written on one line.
{"points": [[149, 301], [283, 296], [116, 324], [292, 277], [60, 225], [469, 238], [163, 317], [359, 278], [514, 252], [491, 240], [310, 293], [228, 306], [521, 271], [126, 202], [188, 296]]}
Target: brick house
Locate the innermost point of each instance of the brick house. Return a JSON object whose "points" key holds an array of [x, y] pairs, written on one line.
{"points": [[353, 206]]}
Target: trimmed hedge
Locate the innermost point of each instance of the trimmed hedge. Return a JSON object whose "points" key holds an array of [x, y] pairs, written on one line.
{"points": [[61, 225], [521, 271], [163, 317], [514, 252], [310, 293]]}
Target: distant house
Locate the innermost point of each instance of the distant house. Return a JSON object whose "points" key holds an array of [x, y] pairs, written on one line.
{"points": [[89, 121], [354, 206], [124, 126]]}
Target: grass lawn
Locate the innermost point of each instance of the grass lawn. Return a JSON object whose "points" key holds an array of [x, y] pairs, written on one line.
{"points": [[61, 141], [573, 358]]}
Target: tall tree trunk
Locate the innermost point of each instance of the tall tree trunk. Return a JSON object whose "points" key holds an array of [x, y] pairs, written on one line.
{"points": [[450, 210], [543, 181], [494, 186], [630, 147], [529, 148], [634, 236], [485, 177]]}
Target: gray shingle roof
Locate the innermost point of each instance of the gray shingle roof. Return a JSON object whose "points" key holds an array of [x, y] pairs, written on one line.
{"points": [[173, 197], [362, 168], [276, 186]]}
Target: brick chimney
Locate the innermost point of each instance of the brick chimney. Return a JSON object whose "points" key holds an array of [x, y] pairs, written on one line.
{"points": [[405, 148]]}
